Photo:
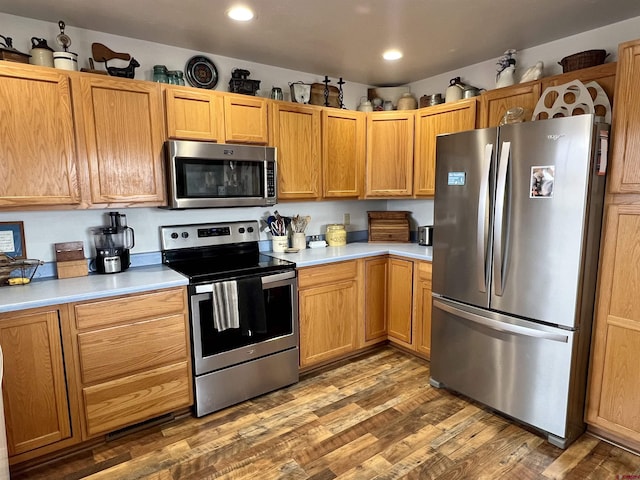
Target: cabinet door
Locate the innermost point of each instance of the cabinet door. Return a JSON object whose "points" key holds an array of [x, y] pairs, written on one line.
{"points": [[422, 307], [296, 134], [389, 154], [343, 153], [34, 387], [194, 115], [431, 122], [375, 275], [245, 119], [495, 103], [400, 296], [614, 378], [38, 163], [625, 155], [123, 125]]}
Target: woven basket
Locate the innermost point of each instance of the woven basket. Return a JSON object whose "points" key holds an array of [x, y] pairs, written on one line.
{"points": [[588, 58]]}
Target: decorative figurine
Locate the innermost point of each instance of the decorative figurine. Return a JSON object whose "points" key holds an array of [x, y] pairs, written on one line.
{"points": [[506, 69], [326, 90], [341, 94], [532, 73]]}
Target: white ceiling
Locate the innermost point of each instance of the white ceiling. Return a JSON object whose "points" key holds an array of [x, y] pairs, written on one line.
{"points": [[341, 38]]}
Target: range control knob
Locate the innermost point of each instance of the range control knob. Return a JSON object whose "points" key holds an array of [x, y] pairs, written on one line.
{"points": [[241, 230], [250, 229], [185, 234], [174, 235]]}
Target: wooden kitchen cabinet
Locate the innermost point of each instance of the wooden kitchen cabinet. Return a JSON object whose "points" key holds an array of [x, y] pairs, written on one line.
{"points": [[40, 414], [122, 125], [625, 154], [330, 309], [245, 119], [389, 160], [39, 164], [295, 132], [614, 378], [194, 114], [133, 358], [431, 122], [422, 307], [376, 275], [495, 103], [343, 153], [400, 298]]}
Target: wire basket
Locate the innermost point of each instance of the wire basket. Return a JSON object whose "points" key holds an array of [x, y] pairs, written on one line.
{"points": [[588, 58], [25, 268]]}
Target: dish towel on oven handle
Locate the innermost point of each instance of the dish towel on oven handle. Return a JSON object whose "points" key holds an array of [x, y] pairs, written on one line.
{"points": [[253, 317], [225, 306]]}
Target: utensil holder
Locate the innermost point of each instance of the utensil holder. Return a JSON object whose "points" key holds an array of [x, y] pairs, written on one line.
{"points": [[279, 243], [299, 241]]}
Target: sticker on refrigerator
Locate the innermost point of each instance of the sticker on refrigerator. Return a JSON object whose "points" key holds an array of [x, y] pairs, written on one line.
{"points": [[542, 178], [456, 178]]}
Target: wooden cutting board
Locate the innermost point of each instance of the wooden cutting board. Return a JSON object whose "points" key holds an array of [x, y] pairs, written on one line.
{"points": [[389, 226]]}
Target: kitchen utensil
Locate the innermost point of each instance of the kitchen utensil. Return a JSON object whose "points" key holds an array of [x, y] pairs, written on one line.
{"points": [[407, 102], [470, 91], [300, 92], [113, 244], [41, 53], [102, 53], [63, 39], [276, 93], [435, 99], [454, 91]]}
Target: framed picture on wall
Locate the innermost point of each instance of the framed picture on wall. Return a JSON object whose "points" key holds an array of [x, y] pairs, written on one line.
{"points": [[12, 239]]}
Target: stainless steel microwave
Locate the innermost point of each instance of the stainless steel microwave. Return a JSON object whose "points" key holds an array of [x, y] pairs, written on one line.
{"points": [[205, 175]]}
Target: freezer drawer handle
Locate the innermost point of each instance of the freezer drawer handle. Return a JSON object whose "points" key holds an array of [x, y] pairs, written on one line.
{"points": [[483, 200], [499, 326], [501, 188]]}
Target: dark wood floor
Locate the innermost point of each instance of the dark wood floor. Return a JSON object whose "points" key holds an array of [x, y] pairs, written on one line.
{"points": [[372, 417]]}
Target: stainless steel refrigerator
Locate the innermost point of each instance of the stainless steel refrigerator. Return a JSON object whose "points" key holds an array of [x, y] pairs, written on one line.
{"points": [[517, 221]]}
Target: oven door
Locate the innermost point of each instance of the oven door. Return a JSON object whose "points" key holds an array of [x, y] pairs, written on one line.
{"points": [[213, 350]]}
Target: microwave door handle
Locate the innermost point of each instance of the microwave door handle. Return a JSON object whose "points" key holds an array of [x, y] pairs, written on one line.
{"points": [[501, 188], [482, 234]]}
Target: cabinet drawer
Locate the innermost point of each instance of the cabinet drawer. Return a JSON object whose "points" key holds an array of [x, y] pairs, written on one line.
{"points": [[336, 272], [127, 309], [121, 350], [126, 401]]}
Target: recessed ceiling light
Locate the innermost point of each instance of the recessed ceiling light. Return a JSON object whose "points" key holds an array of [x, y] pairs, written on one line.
{"points": [[241, 14], [392, 55]]}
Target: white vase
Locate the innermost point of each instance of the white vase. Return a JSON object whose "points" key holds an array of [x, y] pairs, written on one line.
{"points": [[506, 77]]}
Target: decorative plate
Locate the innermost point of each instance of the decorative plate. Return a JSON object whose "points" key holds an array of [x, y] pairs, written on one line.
{"points": [[201, 72]]}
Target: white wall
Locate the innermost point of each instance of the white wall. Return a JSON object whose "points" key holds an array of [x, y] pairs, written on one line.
{"points": [[484, 74]]}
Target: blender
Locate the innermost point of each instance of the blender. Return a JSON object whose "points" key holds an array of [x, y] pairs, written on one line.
{"points": [[113, 244]]}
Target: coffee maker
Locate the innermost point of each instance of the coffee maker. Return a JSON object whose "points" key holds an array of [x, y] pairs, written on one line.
{"points": [[113, 244]]}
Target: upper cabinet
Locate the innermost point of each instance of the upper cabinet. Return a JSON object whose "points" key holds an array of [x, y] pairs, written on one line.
{"points": [[295, 131], [343, 153], [39, 165], [245, 119], [123, 132], [389, 154], [431, 122], [495, 103], [625, 156], [193, 114]]}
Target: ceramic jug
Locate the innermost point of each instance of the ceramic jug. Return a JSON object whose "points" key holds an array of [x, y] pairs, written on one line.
{"points": [[41, 53], [454, 91], [365, 105], [407, 102]]}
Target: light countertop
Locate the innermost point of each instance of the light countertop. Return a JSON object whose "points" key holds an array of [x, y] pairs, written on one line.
{"points": [[48, 292], [351, 251], [54, 291]]}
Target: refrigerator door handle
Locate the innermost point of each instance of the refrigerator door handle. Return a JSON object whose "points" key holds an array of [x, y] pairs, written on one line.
{"points": [[483, 201], [498, 325], [501, 187]]}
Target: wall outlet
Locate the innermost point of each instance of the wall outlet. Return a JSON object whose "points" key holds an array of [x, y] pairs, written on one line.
{"points": [[346, 219]]}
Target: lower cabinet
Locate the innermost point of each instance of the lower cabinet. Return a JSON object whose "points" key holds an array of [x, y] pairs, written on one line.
{"points": [[133, 358], [40, 414], [329, 311], [351, 305]]}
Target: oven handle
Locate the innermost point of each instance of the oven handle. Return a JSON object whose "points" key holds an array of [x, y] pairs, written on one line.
{"points": [[266, 280]]}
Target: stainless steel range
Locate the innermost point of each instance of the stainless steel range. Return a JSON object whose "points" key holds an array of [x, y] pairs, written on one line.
{"points": [[243, 311]]}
